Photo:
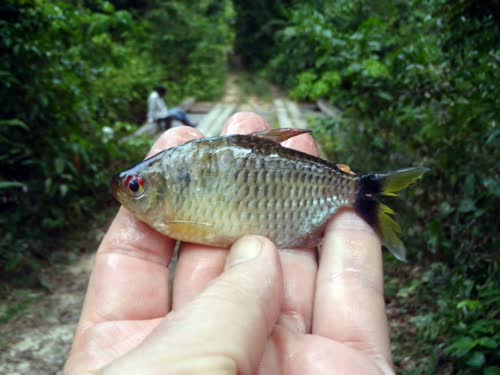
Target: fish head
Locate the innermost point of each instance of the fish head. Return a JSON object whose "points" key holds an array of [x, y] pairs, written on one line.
{"points": [[137, 189]]}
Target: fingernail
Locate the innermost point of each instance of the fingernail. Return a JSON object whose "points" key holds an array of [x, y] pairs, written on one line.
{"points": [[304, 143], [173, 137], [233, 124], [243, 250], [245, 123]]}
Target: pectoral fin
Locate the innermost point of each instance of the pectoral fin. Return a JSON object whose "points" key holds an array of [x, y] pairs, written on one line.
{"points": [[279, 135]]}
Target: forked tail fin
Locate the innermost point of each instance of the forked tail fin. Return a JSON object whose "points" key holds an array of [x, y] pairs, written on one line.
{"points": [[379, 215]]}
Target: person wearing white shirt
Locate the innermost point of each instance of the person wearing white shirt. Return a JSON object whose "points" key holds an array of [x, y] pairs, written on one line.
{"points": [[159, 113]]}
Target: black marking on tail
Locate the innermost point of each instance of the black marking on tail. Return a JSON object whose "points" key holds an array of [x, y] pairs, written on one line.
{"points": [[367, 208], [370, 185]]}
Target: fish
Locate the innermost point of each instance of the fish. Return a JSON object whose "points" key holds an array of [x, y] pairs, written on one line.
{"points": [[213, 191]]}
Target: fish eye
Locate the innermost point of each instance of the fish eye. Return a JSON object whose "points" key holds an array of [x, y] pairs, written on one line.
{"points": [[134, 185]]}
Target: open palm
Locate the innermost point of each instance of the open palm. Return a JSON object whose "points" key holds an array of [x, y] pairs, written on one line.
{"points": [[280, 312]]}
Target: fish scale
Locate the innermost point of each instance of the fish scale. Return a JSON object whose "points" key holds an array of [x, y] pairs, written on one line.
{"points": [[215, 190], [269, 174]]}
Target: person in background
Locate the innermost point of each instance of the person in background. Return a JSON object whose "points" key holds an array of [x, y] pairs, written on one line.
{"points": [[159, 113]]}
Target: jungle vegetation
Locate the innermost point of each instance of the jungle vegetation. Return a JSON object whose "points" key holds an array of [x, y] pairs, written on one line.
{"points": [[415, 82]]}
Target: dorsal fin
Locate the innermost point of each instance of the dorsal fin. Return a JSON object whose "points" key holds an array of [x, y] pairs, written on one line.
{"points": [[279, 135]]}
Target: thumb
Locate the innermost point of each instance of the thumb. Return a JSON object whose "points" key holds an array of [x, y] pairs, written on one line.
{"points": [[225, 328]]}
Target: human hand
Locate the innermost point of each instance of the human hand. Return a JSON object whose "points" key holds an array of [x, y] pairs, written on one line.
{"points": [[276, 312]]}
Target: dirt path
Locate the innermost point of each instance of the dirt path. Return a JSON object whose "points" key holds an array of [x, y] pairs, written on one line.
{"points": [[242, 90], [38, 340]]}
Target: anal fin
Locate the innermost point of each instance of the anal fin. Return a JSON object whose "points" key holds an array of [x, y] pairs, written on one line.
{"points": [[190, 229]]}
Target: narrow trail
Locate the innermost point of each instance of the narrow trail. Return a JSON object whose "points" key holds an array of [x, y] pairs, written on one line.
{"points": [[38, 340], [250, 102]]}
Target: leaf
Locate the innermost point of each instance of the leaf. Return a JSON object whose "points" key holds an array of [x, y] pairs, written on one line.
{"points": [[461, 347], [59, 165], [48, 184], [14, 122], [63, 189], [375, 69], [385, 95], [476, 360], [492, 370], [467, 205], [470, 305], [484, 327], [493, 186], [469, 184], [488, 342], [493, 137], [11, 184], [445, 208]]}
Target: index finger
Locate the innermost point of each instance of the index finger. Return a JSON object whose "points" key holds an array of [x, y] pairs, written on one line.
{"points": [[129, 280], [349, 303]]}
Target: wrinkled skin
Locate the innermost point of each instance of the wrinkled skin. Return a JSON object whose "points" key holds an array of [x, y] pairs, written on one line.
{"points": [[282, 312]]}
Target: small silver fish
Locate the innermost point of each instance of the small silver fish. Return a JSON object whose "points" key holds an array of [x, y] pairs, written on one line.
{"points": [[214, 190]]}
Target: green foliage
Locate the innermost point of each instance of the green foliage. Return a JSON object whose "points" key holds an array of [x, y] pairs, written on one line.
{"points": [[417, 84], [75, 76], [195, 45], [255, 23], [462, 322], [309, 86]]}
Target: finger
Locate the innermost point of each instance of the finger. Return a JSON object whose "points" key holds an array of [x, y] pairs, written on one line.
{"points": [[299, 276], [225, 328], [196, 267], [244, 123], [349, 303], [292, 354], [199, 264], [304, 143], [174, 137], [130, 276], [299, 267], [101, 344]]}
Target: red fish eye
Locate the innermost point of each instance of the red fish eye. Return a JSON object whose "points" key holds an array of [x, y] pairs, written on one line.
{"points": [[135, 185]]}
